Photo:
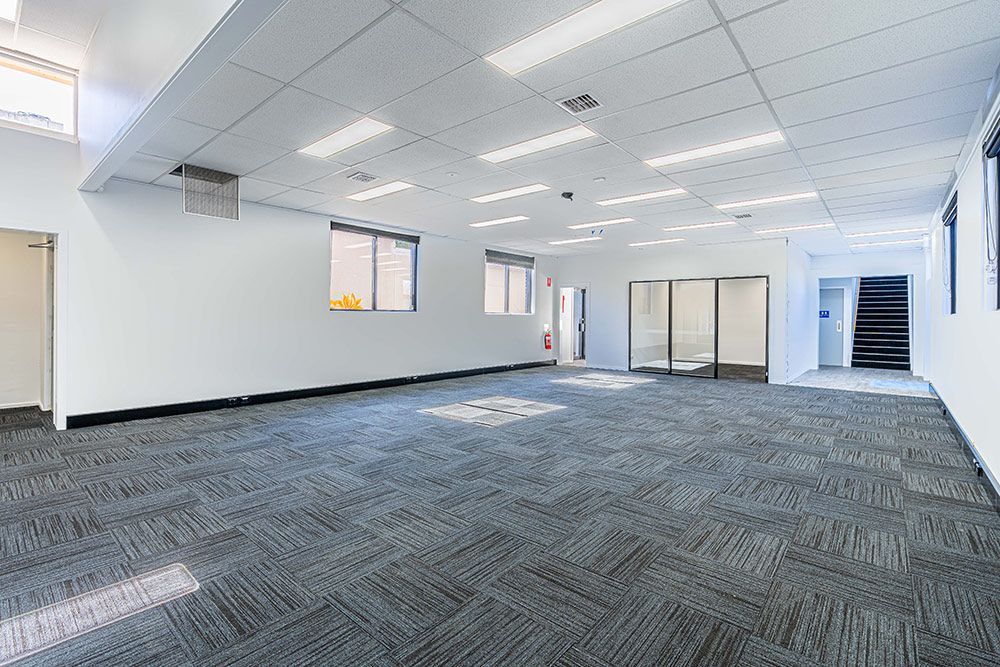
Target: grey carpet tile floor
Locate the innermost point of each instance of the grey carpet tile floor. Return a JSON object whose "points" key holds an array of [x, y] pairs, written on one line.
{"points": [[676, 521]]}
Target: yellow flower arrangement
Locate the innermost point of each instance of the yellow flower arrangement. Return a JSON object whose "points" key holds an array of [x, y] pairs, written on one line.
{"points": [[346, 302]]}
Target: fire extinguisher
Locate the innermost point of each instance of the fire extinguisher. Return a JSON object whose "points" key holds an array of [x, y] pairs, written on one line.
{"points": [[548, 340]]}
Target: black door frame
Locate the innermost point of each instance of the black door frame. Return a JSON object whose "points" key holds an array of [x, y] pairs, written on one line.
{"points": [[583, 319], [670, 323]]}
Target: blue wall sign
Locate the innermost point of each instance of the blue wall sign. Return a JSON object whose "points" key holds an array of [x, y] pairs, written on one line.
{"points": [[824, 314]]}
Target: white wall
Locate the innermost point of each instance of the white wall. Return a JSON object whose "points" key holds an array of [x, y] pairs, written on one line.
{"points": [[965, 364], [22, 319], [156, 307], [609, 275], [801, 351]]}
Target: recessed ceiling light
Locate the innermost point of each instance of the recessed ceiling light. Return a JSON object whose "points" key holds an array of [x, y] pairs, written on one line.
{"points": [[380, 191], [877, 243], [539, 144], [507, 194], [768, 200], [583, 240], [642, 197], [575, 30], [602, 223], [717, 149], [660, 242], [704, 225], [351, 135], [499, 221], [861, 235], [8, 10], [799, 228]]}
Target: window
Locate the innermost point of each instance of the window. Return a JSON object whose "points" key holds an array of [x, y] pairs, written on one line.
{"points": [[509, 283], [38, 97], [991, 221], [950, 219], [372, 270]]}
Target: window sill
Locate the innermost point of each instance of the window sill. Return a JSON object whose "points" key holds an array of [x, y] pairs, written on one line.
{"points": [[40, 131]]}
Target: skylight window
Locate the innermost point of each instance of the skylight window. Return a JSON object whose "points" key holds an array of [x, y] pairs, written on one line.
{"points": [[37, 97]]}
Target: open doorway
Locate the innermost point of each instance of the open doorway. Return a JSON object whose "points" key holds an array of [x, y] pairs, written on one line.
{"points": [[573, 326], [27, 264]]}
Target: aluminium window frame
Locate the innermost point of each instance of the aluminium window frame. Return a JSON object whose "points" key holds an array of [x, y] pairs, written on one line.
{"points": [[529, 279], [375, 235], [950, 243], [32, 62]]}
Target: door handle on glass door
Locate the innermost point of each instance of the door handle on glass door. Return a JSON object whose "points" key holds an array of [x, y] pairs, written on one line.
{"points": [[840, 326]]}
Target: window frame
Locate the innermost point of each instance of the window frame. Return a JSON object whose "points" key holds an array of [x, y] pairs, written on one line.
{"points": [[45, 67], [507, 260], [375, 235], [950, 246]]}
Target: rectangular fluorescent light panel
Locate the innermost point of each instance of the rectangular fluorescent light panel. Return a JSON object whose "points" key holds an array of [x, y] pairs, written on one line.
{"points": [[8, 10], [768, 200], [642, 197], [539, 144], [352, 135], [704, 225], [800, 228], [380, 191], [602, 223], [718, 149], [660, 242], [878, 243], [499, 221], [575, 30], [861, 235], [586, 239], [507, 194]]}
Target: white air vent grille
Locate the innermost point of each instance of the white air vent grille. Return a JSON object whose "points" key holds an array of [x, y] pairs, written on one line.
{"points": [[743, 216], [211, 193], [580, 103], [362, 177]]}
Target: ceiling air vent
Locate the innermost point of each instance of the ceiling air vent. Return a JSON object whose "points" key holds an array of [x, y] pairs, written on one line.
{"points": [[211, 193], [580, 103], [362, 177], [743, 216]]}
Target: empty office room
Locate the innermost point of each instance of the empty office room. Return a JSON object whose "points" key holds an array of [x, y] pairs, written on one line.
{"points": [[601, 333]]}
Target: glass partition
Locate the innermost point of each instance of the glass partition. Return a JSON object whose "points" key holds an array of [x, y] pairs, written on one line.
{"points": [[692, 328], [649, 347], [743, 328]]}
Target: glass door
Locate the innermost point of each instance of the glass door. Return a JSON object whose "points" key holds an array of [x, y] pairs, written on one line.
{"points": [[743, 328], [649, 326], [692, 331]]}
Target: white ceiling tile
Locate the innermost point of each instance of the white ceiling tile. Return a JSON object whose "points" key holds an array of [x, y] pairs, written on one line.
{"points": [[296, 198], [720, 97], [737, 169], [6, 34], [455, 172], [705, 132], [145, 168], [338, 184], [694, 62], [900, 185], [974, 63], [294, 119], [525, 120], [412, 159], [235, 155], [504, 180], [169, 180], [939, 166], [253, 190], [664, 28], [408, 201], [733, 8], [383, 143], [71, 20], [961, 99], [794, 27], [177, 139], [778, 182], [314, 27], [473, 90], [912, 135], [486, 25], [551, 170], [49, 47], [227, 96], [613, 180], [295, 169], [885, 198], [948, 148], [395, 56]]}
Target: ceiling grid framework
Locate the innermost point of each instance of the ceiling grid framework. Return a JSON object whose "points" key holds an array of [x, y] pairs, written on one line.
{"points": [[875, 132]]}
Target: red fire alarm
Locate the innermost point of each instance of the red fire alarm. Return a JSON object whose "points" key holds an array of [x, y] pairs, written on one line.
{"points": [[548, 281]]}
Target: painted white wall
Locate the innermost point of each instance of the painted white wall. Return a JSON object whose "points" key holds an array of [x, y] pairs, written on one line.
{"points": [[22, 319], [801, 349], [609, 276], [965, 356], [158, 307], [742, 322]]}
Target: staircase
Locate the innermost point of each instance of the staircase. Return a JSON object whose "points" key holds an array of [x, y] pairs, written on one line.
{"points": [[882, 324]]}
